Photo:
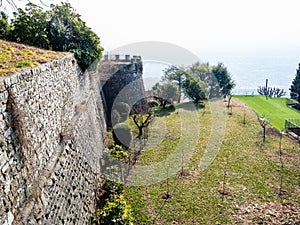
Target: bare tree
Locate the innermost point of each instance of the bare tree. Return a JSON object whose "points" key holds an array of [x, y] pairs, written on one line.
{"points": [[281, 192], [14, 5], [142, 117], [229, 96], [244, 117], [263, 123], [142, 122], [224, 192]]}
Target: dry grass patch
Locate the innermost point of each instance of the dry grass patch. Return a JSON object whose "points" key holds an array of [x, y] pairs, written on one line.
{"points": [[14, 57]]}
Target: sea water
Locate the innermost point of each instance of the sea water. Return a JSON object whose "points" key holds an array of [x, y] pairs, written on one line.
{"points": [[249, 69]]}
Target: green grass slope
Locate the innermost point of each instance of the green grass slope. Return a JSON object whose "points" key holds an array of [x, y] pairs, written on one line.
{"points": [[253, 174], [273, 109]]}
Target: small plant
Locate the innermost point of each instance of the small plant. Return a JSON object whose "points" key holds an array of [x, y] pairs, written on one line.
{"points": [[167, 195], [112, 207], [224, 192], [230, 110], [118, 152], [244, 117], [229, 96], [24, 64], [263, 123], [280, 191]]}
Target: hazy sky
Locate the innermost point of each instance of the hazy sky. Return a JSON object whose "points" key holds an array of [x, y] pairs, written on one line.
{"points": [[258, 29], [195, 24]]}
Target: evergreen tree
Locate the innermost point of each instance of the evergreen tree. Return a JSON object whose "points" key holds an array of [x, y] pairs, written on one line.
{"points": [[195, 89], [175, 75], [223, 77], [29, 26], [295, 87], [67, 32], [165, 93], [4, 26]]}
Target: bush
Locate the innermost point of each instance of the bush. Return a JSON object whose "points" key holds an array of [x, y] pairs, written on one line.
{"points": [[111, 205], [115, 117], [153, 104], [122, 134], [115, 212], [118, 152], [123, 109], [109, 189]]}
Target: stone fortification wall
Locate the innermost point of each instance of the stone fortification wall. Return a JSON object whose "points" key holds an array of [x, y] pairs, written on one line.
{"points": [[121, 81], [50, 143]]}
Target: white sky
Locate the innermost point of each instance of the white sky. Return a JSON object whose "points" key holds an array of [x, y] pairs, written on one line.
{"points": [[194, 24], [235, 26]]}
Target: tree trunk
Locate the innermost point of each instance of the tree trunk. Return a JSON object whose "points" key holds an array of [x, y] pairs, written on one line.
{"points": [[179, 89], [140, 132], [229, 99], [164, 104]]}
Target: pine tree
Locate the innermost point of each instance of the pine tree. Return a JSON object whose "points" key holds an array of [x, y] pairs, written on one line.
{"points": [[295, 87]]}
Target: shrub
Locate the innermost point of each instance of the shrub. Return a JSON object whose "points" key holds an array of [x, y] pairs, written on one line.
{"points": [[122, 134], [118, 152], [109, 189], [123, 109], [115, 212], [153, 104], [115, 117], [4, 26], [111, 205]]}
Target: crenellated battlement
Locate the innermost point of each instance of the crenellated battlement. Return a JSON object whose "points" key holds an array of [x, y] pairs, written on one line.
{"points": [[122, 58]]}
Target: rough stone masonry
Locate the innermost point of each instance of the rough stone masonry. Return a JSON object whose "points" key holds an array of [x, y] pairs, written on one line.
{"points": [[51, 139]]}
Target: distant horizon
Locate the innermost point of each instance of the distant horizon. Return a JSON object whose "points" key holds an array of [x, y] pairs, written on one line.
{"points": [[248, 70]]}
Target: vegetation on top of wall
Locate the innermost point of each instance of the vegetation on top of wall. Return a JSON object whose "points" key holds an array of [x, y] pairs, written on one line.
{"points": [[59, 29], [15, 57]]}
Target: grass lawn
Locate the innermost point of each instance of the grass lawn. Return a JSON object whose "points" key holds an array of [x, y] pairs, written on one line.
{"points": [[252, 171], [273, 109]]}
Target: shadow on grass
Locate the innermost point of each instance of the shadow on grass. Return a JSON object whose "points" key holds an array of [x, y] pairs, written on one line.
{"points": [[160, 111], [190, 105]]}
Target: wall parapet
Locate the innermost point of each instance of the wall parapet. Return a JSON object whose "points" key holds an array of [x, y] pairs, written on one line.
{"points": [[122, 58]]}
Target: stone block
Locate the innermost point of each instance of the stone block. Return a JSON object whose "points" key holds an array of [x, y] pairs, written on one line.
{"points": [[3, 159]]}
